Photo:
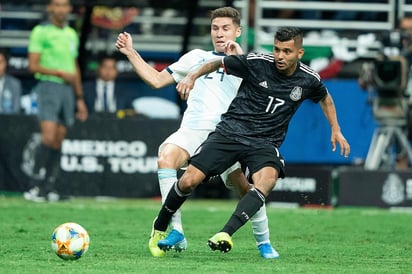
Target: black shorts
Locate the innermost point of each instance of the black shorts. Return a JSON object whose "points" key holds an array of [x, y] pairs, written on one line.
{"points": [[218, 153]]}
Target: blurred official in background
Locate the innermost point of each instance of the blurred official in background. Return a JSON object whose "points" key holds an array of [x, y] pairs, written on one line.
{"points": [[53, 51]]}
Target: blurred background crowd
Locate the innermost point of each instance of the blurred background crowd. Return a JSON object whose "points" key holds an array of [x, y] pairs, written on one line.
{"points": [[348, 42], [339, 36]]}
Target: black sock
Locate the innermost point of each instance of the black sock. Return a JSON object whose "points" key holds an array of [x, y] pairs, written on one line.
{"points": [[53, 168], [41, 157], [174, 200], [246, 208]]}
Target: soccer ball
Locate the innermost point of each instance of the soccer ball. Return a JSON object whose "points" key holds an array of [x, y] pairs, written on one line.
{"points": [[70, 241]]}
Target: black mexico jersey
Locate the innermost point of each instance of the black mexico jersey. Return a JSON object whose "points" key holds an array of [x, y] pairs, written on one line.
{"points": [[266, 101]]}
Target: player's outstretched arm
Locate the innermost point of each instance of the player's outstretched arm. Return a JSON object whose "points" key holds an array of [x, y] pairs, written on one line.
{"points": [[328, 108], [187, 83], [124, 43], [146, 72]]}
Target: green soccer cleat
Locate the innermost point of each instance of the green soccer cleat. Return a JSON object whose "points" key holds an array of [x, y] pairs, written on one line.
{"points": [[221, 241], [155, 237]]}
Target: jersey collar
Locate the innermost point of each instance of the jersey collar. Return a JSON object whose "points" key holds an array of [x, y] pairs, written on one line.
{"points": [[218, 53]]}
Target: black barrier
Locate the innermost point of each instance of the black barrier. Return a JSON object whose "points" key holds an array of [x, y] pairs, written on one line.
{"points": [[118, 157], [304, 185], [102, 156], [15, 130], [359, 187]]}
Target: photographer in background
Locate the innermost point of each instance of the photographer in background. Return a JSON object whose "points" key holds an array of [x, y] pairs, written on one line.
{"points": [[405, 25]]}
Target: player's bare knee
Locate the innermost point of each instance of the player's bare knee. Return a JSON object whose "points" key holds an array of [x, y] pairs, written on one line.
{"points": [[171, 157], [187, 184], [168, 160], [163, 162], [191, 179]]}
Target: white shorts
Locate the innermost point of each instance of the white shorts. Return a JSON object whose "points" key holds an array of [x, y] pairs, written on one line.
{"points": [[187, 139]]}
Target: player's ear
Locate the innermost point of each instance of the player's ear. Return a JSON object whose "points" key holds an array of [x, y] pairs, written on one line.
{"points": [[238, 32], [300, 53]]}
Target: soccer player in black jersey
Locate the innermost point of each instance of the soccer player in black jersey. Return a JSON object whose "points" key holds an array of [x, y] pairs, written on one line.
{"points": [[254, 127]]}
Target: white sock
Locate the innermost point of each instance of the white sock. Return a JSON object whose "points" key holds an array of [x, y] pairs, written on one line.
{"points": [[167, 177], [260, 226]]}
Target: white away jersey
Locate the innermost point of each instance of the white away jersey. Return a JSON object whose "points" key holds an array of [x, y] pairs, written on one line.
{"points": [[211, 94]]}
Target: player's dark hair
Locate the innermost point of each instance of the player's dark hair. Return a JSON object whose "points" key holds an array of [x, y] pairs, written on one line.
{"points": [[284, 34], [226, 12]]}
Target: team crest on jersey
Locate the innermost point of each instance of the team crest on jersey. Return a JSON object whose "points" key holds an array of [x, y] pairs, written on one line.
{"points": [[296, 94]]}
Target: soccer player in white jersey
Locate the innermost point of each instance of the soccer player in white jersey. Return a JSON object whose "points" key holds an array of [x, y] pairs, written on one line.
{"points": [[210, 98]]}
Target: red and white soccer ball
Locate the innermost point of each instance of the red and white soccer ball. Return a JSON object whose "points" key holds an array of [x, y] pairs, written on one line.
{"points": [[70, 241]]}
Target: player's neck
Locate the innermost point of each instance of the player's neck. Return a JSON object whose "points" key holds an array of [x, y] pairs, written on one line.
{"points": [[292, 70], [57, 23]]}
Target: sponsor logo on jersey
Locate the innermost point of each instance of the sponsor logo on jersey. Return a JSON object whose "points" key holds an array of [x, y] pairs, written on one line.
{"points": [[296, 94], [263, 84]]}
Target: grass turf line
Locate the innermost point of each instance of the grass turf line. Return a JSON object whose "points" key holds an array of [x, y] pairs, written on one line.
{"points": [[342, 240]]}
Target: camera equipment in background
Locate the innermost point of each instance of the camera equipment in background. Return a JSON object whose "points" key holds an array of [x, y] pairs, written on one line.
{"points": [[388, 77]]}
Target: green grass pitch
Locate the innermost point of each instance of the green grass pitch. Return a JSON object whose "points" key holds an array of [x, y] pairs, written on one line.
{"points": [[340, 240]]}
